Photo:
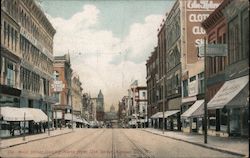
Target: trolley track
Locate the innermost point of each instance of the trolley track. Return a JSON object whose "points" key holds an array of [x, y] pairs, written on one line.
{"points": [[65, 148]]}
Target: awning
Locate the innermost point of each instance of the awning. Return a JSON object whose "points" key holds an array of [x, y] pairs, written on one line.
{"points": [[38, 114], [169, 113], [57, 115], [156, 115], [85, 122], [195, 109], [14, 114], [17, 114], [68, 116], [228, 92]]}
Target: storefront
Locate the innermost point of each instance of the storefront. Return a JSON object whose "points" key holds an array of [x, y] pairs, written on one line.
{"points": [[156, 119], [228, 109], [192, 118], [16, 121]]}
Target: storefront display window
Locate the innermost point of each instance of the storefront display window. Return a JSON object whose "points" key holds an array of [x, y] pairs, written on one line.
{"points": [[235, 121], [223, 119], [212, 120], [245, 117]]}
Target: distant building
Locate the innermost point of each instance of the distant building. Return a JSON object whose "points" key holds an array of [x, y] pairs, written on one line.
{"points": [[100, 107], [111, 115], [76, 95]]}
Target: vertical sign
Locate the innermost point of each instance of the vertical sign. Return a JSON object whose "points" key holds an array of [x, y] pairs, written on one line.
{"points": [[196, 12]]}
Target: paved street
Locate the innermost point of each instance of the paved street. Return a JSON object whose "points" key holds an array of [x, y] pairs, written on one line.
{"points": [[109, 143]]}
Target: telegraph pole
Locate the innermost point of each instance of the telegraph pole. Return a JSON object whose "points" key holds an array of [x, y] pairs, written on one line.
{"points": [[205, 88]]}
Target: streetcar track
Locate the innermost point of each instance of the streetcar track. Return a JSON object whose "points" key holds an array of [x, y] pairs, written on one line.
{"points": [[74, 143], [144, 152], [113, 145]]}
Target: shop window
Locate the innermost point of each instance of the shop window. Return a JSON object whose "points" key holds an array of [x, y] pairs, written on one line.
{"points": [[235, 121], [211, 120], [223, 119], [245, 118]]}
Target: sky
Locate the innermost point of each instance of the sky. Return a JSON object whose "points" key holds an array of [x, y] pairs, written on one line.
{"points": [[108, 41]]}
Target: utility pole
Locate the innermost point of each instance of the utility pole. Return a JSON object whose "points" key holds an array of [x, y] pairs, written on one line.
{"points": [[205, 88]]}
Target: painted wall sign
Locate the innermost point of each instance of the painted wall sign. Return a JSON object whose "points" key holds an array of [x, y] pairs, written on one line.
{"points": [[196, 12]]}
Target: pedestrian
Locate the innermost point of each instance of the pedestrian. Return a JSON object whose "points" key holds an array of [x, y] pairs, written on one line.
{"points": [[44, 128]]}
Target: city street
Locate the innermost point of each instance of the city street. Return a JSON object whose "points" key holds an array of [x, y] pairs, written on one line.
{"points": [[110, 143]]}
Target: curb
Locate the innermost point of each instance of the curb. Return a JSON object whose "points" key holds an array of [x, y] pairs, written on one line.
{"points": [[46, 137], [202, 145]]}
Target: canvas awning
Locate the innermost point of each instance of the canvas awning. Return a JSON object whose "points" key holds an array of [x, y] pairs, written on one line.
{"points": [[85, 122], [195, 110], [14, 114], [57, 115], [169, 113], [18, 114], [156, 115], [68, 116], [228, 92], [38, 114]]}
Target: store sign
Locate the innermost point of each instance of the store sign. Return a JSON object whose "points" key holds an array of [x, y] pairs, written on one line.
{"points": [[213, 50], [193, 88], [196, 12], [58, 86], [202, 4]]}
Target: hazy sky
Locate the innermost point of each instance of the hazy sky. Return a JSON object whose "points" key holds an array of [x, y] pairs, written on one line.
{"points": [[109, 41]]}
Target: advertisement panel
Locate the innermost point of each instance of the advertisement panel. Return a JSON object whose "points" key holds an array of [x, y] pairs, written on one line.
{"points": [[196, 12]]}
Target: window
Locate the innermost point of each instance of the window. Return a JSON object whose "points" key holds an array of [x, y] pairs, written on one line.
{"points": [[201, 83], [185, 88], [8, 34], [12, 37], [245, 36], [211, 119], [192, 79], [10, 74], [5, 32]]}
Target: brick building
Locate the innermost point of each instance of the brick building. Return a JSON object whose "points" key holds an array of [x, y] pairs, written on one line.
{"points": [[62, 87], [228, 77]]}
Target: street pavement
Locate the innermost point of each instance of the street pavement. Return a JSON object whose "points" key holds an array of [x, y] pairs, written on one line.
{"points": [[110, 143], [234, 145]]}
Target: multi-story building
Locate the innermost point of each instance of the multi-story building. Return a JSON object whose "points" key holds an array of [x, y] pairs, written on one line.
{"points": [[26, 57], [216, 29], [228, 101], [61, 88], [152, 77], [10, 58], [86, 109], [141, 105], [93, 110], [179, 65], [76, 95], [100, 107], [173, 66], [122, 108], [192, 67]]}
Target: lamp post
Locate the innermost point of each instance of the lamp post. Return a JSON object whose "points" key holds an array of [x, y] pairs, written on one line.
{"points": [[24, 120], [48, 117]]}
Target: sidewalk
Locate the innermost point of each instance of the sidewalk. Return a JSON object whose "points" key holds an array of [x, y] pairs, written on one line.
{"points": [[6, 143], [237, 146]]}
